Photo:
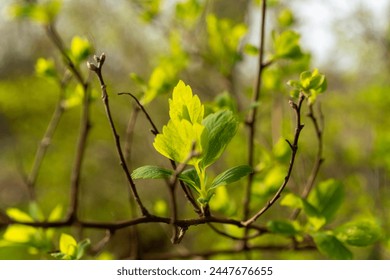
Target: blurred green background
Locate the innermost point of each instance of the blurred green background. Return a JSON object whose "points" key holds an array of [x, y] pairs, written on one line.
{"points": [[350, 43]]}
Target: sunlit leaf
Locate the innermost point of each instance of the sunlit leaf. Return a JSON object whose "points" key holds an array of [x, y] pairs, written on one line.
{"points": [[177, 141], [68, 245], [18, 215], [80, 49], [184, 105], [19, 233], [45, 68]]}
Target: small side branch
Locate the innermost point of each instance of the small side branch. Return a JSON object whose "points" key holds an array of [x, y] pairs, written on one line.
{"points": [[318, 128], [98, 70], [294, 148]]}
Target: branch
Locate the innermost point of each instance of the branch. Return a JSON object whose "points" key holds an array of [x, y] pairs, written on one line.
{"points": [[294, 148], [98, 70], [318, 160], [84, 121], [251, 120], [47, 138]]}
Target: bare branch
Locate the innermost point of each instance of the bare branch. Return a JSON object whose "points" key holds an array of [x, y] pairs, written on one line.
{"points": [[294, 149], [98, 70]]}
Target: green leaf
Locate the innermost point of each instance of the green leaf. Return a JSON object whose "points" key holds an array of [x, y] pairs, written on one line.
{"points": [[18, 215], [282, 227], [191, 178], [330, 246], [286, 18], [327, 198], [291, 200], [221, 127], [81, 248], [68, 245], [188, 12], [44, 13], [19, 234], [251, 49], [35, 212], [286, 45], [45, 68], [177, 139], [184, 105], [55, 214], [80, 49], [223, 41], [151, 172], [231, 175], [360, 233], [314, 217]]}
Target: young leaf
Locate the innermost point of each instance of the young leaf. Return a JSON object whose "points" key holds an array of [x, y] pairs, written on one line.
{"points": [[80, 49], [184, 105], [287, 45], [45, 68], [231, 175], [327, 198], [291, 200], [330, 246], [19, 234], [313, 216], [68, 245], [360, 233], [151, 172], [221, 128], [18, 215], [191, 178], [81, 247], [177, 140]]}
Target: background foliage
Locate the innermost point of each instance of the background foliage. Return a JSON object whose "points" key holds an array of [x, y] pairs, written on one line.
{"points": [[213, 47]]}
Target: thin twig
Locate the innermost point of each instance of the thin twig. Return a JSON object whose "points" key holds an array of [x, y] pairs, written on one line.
{"points": [[294, 149], [318, 160], [251, 121], [84, 121], [130, 134], [47, 138], [178, 234], [98, 70]]}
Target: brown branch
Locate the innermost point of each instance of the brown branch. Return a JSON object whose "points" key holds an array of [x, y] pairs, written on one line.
{"points": [[251, 120], [84, 121], [130, 134], [98, 71], [294, 148], [47, 138], [318, 160], [114, 226]]}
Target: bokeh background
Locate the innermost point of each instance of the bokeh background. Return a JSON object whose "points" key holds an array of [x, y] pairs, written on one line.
{"points": [[349, 41]]}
